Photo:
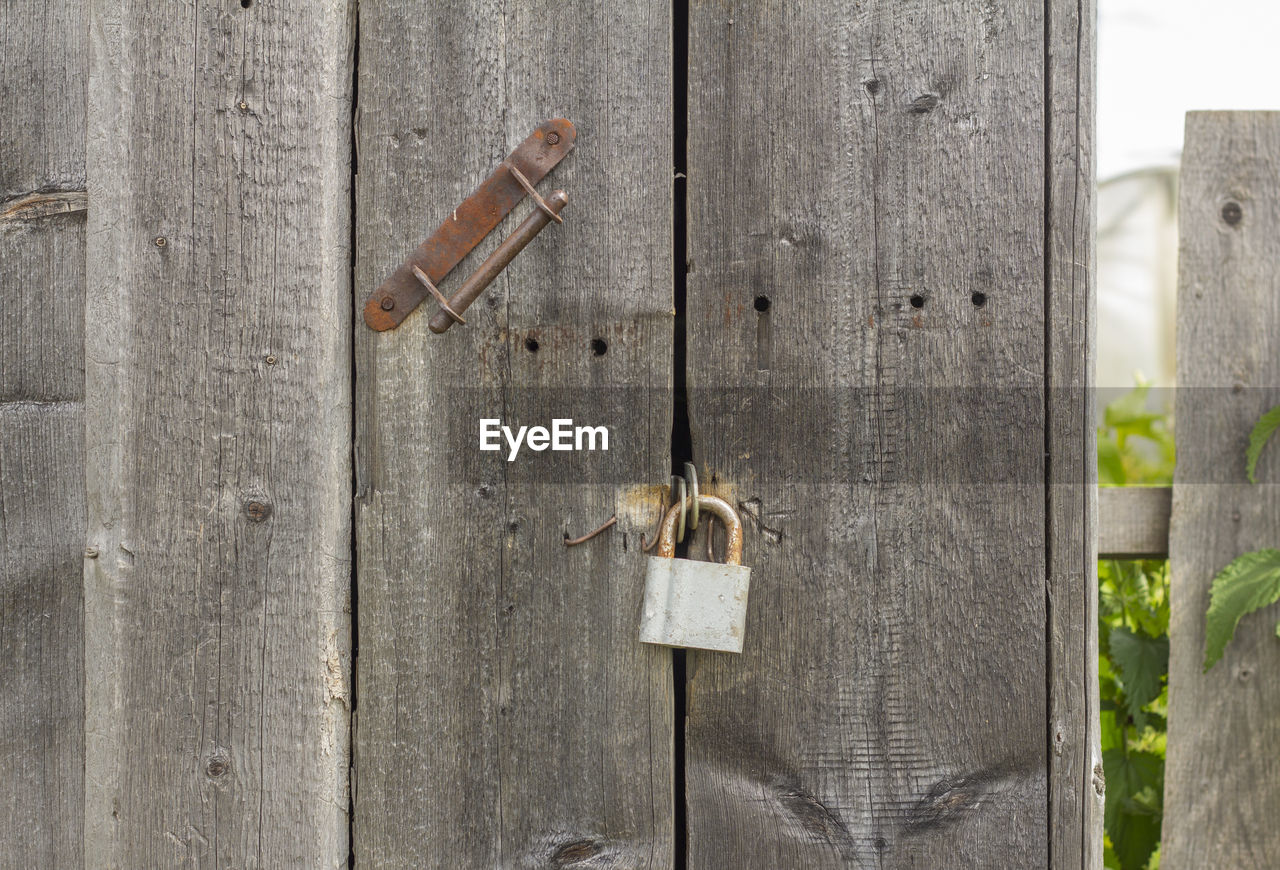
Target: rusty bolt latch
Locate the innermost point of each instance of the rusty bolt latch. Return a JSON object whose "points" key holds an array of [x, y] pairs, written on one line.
{"points": [[451, 311], [467, 224]]}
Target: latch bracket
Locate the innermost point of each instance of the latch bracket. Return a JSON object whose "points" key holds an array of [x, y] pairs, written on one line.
{"points": [[464, 227]]}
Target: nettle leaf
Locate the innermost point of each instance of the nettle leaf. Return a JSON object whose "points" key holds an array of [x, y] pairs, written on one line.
{"points": [[1262, 432], [1249, 583], [1142, 662], [1133, 812]]}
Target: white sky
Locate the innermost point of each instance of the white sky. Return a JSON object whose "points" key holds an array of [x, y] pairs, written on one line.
{"points": [[1159, 59]]}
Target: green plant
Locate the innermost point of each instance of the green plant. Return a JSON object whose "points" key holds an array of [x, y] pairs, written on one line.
{"points": [[1133, 669], [1135, 446], [1251, 581]]}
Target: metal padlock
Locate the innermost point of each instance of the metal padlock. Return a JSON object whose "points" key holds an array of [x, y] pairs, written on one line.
{"points": [[701, 605]]}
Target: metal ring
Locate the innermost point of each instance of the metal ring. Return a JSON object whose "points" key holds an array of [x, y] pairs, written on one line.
{"points": [[444, 303], [678, 483], [691, 475], [533, 194]]}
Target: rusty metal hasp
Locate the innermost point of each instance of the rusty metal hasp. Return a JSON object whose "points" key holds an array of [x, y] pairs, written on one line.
{"points": [[464, 227]]}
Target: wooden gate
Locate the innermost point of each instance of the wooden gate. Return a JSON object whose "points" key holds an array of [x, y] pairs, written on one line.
{"points": [[838, 255]]}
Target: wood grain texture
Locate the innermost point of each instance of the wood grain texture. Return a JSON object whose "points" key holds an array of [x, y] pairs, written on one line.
{"points": [[1076, 778], [42, 277], [881, 182], [218, 374], [1221, 802], [1133, 522], [506, 714]]}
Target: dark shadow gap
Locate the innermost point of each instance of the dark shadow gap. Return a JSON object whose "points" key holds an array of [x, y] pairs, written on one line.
{"points": [[1048, 420], [681, 437]]}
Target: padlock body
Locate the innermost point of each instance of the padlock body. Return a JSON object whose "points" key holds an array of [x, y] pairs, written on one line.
{"points": [[700, 605]]}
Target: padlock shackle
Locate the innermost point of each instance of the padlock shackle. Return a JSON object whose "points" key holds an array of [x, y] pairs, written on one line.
{"points": [[717, 506]]}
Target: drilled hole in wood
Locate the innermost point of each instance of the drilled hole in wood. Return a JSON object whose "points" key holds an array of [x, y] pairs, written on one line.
{"points": [[978, 298], [531, 345], [762, 304], [599, 346], [917, 301]]}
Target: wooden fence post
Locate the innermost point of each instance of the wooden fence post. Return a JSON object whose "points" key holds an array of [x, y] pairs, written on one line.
{"points": [[218, 387], [890, 284], [42, 233], [1221, 799], [506, 715]]}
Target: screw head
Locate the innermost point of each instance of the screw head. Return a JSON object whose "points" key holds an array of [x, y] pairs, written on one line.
{"points": [[553, 138], [244, 107], [387, 303], [1232, 213], [257, 511], [161, 241], [271, 359]]}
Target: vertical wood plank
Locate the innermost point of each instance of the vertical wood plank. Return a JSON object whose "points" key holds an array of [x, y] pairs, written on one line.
{"points": [[218, 385], [1220, 797], [1076, 782], [871, 215], [506, 714], [42, 238]]}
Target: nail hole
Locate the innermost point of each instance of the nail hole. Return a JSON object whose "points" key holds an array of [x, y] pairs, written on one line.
{"points": [[978, 298], [245, 4], [161, 241], [599, 347], [531, 345], [917, 301], [762, 304]]}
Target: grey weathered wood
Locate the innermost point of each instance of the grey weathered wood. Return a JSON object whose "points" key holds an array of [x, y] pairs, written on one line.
{"points": [[506, 714], [1133, 522], [1221, 800], [218, 373], [912, 602], [42, 237], [1076, 777]]}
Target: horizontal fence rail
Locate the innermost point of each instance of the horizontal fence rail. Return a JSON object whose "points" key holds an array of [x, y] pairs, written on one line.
{"points": [[1133, 522]]}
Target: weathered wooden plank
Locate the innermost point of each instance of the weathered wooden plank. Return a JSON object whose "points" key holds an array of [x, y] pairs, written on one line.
{"points": [[1076, 780], [507, 715], [1220, 796], [42, 700], [1133, 522], [219, 422], [878, 187], [42, 237]]}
